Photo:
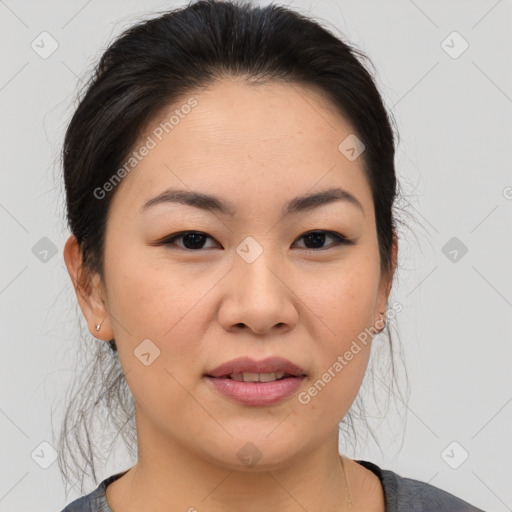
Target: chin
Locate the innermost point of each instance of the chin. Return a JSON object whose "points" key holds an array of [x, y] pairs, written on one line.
{"points": [[255, 453]]}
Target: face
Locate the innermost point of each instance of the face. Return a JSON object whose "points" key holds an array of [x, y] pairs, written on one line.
{"points": [[251, 278]]}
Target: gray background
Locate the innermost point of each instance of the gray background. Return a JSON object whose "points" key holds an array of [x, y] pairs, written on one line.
{"points": [[453, 116]]}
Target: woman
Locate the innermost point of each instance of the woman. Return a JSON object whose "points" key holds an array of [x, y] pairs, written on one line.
{"points": [[230, 186]]}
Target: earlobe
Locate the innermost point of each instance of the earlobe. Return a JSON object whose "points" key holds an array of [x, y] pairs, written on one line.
{"points": [[386, 285], [88, 291], [380, 324], [394, 261]]}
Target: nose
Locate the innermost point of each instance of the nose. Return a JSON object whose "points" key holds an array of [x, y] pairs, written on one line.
{"points": [[258, 297]]}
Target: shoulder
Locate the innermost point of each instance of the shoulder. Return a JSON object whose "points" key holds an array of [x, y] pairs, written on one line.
{"points": [[410, 495], [96, 500], [89, 503]]}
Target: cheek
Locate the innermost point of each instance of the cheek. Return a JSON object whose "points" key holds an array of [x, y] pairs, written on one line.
{"points": [[343, 314], [165, 308], [344, 300], [150, 299], [139, 291]]}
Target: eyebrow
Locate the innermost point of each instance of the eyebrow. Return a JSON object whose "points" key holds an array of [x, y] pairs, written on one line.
{"points": [[213, 203]]}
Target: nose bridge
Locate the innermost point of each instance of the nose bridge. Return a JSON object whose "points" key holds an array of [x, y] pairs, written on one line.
{"points": [[257, 266], [257, 295]]}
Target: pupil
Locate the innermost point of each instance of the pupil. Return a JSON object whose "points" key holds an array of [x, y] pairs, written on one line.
{"points": [[316, 237], [197, 240]]}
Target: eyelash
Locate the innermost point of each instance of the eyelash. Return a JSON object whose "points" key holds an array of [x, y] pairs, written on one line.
{"points": [[338, 237]]}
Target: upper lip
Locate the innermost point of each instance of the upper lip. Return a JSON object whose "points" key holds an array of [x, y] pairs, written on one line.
{"points": [[249, 365]]}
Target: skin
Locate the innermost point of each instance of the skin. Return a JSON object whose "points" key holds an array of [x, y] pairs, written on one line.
{"points": [[256, 146]]}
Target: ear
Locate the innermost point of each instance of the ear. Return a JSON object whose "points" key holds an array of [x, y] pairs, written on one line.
{"points": [[89, 291], [386, 283]]}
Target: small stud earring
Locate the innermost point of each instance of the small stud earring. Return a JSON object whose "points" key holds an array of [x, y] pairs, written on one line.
{"points": [[98, 326]]}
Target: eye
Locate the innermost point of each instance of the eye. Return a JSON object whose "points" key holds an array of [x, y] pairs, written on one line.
{"points": [[195, 240], [192, 240], [317, 238]]}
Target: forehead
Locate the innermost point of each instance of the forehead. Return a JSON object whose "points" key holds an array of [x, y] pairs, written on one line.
{"points": [[276, 139]]}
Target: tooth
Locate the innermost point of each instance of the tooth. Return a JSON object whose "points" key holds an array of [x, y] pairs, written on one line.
{"points": [[250, 377], [237, 376], [279, 375], [257, 377]]}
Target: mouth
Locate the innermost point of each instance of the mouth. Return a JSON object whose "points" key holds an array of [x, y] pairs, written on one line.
{"points": [[257, 377], [271, 367], [256, 383]]}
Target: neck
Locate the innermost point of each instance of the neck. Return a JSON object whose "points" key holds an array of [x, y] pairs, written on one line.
{"points": [[177, 479]]}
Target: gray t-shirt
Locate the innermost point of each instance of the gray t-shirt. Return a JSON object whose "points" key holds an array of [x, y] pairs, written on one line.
{"points": [[402, 495]]}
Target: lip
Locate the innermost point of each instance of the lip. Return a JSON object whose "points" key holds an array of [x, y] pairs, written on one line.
{"points": [[246, 364], [256, 393]]}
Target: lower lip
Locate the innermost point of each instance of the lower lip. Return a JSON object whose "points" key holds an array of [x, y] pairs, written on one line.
{"points": [[257, 393]]}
